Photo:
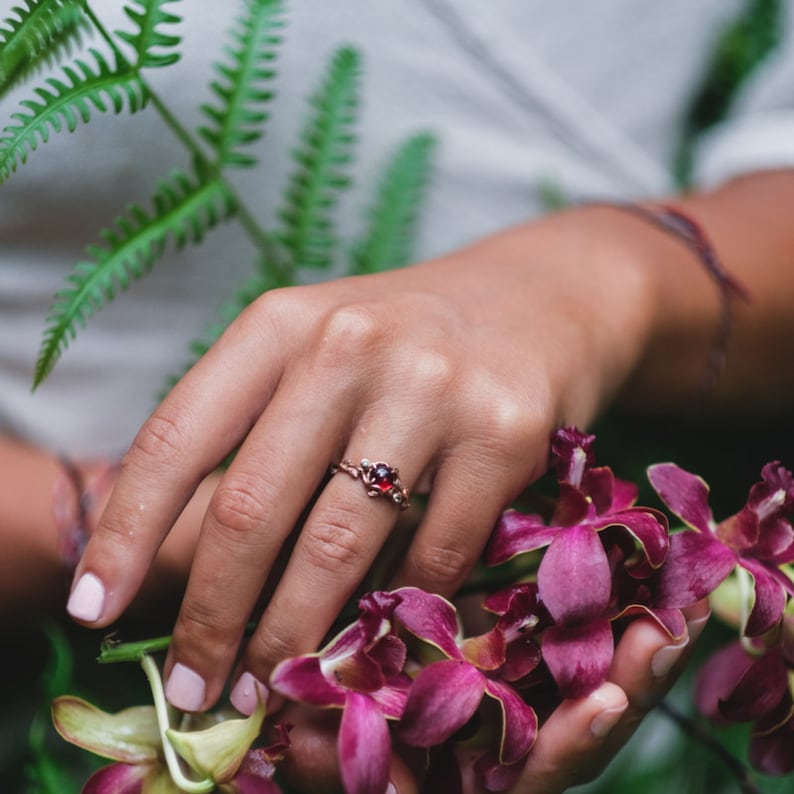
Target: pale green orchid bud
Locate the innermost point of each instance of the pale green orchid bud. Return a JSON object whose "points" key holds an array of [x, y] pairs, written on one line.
{"points": [[217, 752], [130, 736]]}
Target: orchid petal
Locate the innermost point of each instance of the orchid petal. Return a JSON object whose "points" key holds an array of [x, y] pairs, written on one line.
{"points": [[519, 722], [358, 672], [770, 599], [648, 527], [485, 651], [392, 696], [159, 782], [575, 556], [442, 699], [776, 541], [130, 736], [495, 776], [670, 620], [364, 746], [687, 495], [253, 784], [302, 679], [579, 657], [118, 779], [575, 452], [518, 598], [572, 507], [695, 565], [217, 752], [607, 492], [758, 690], [718, 676], [516, 533], [430, 618], [523, 656], [624, 494], [773, 753], [389, 654]]}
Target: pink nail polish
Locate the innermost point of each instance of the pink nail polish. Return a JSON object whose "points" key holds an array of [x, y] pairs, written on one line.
{"points": [[606, 720], [246, 693], [665, 658], [87, 599], [185, 688]]}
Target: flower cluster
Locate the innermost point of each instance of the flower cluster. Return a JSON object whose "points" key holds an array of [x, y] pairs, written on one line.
{"points": [[404, 672]]}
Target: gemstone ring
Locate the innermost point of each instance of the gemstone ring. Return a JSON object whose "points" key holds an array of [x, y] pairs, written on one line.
{"points": [[379, 479]]}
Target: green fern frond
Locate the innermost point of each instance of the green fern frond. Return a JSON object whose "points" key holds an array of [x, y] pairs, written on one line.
{"points": [[152, 45], [394, 216], [322, 160], [66, 101], [242, 88], [38, 35], [183, 210]]}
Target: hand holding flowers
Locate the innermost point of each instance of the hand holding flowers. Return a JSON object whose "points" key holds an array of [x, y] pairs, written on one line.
{"points": [[404, 674]]}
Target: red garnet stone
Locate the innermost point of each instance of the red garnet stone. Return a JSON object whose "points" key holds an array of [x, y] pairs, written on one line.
{"points": [[382, 477]]}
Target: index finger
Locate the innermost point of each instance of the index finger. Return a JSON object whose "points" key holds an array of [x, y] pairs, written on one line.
{"points": [[203, 418]]}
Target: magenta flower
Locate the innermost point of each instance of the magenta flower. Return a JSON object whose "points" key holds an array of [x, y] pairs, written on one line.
{"points": [[361, 672], [578, 648], [736, 686], [758, 539], [446, 693]]}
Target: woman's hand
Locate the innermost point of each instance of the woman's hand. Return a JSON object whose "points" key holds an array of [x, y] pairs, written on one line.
{"points": [[455, 370]]}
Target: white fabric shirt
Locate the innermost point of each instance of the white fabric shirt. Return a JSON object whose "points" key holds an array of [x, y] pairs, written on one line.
{"points": [[585, 95]]}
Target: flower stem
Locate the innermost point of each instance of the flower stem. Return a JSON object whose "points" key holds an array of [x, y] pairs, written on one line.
{"points": [[161, 708], [111, 652], [258, 236]]}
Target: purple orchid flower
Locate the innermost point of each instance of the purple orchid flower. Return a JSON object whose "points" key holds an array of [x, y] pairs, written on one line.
{"points": [[758, 539], [739, 686], [578, 648], [446, 693], [361, 672]]}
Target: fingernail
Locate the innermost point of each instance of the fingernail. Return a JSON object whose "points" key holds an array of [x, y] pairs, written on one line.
{"points": [[695, 627], [391, 789], [606, 720], [664, 659], [185, 688], [87, 598], [246, 694]]}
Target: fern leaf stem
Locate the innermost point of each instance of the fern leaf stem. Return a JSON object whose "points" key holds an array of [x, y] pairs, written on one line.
{"points": [[258, 236]]}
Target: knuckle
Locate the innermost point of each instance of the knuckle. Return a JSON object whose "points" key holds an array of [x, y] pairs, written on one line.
{"points": [[506, 421], [352, 330], [441, 565], [162, 438], [238, 511], [202, 627], [332, 542], [431, 374], [267, 648]]}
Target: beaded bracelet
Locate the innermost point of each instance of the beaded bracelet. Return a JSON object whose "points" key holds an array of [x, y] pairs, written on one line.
{"points": [[677, 223], [73, 500]]}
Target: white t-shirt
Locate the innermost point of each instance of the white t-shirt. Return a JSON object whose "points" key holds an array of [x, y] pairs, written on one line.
{"points": [[588, 96]]}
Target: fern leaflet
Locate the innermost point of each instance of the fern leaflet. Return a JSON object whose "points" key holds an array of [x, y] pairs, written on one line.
{"points": [[66, 101], [41, 31], [322, 158], [241, 89], [394, 216], [183, 210], [152, 46]]}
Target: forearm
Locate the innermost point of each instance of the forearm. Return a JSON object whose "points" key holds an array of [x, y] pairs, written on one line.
{"points": [[32, 573], [749, 222]]}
